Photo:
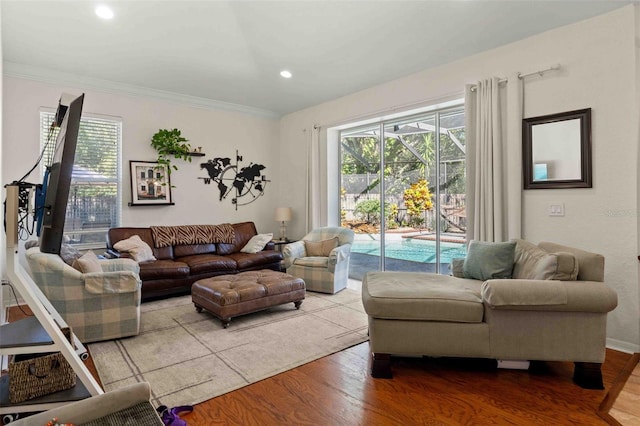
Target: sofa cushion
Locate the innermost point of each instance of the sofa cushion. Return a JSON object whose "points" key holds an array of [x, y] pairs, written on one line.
{"points": [[87, 263], [122, 233], [138, 249], [534, 263], [320, 248], [422, 297], [202, 263], [191, 249], [312, 261], [160, 269], [487, 260], [590, 265], [255, 260], [257, 243], [68, 253]]}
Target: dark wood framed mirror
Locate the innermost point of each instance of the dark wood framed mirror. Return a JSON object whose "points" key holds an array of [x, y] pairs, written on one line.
{"points": [[556, 150]]}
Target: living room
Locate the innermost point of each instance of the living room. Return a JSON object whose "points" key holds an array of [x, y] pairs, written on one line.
{"points": [[599, 69]]}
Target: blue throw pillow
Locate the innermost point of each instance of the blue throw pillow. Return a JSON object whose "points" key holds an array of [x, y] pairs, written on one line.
{"points": [[487, 261]]}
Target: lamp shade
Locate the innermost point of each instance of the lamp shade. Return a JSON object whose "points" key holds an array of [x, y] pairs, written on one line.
{"points": [[283, 214]]}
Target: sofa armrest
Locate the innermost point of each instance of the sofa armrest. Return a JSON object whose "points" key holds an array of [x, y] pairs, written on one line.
{"points": [[112, 282], [548, 295], [338, 255], [293, 251]]}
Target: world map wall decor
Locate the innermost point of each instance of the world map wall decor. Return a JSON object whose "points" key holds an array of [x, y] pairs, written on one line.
{"points": [[244, 184]]}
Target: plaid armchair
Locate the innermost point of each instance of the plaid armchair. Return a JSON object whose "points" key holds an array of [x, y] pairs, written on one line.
{"points": [[97, 306], [324, 274]]}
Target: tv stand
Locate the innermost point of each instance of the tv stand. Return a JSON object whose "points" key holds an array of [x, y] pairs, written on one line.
{"points": [[38, 334]]}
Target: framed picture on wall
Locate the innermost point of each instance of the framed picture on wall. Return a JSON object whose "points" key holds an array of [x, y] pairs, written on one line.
{"points": [[150, 184]]}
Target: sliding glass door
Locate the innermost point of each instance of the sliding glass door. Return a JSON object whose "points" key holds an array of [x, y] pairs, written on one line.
{"points": [[402, 192]]}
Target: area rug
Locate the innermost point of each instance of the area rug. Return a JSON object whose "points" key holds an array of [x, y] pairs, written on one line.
{"points": [[188, 357]]}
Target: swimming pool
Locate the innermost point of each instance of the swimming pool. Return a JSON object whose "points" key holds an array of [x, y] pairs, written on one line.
{"points": [[411, 249]]}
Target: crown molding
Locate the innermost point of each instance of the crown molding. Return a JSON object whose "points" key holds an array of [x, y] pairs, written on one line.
{"points": [[46, 75]]}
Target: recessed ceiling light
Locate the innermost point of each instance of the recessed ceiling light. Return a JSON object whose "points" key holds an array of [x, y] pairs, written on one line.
{"points": [[286, 74], [104, 12]]}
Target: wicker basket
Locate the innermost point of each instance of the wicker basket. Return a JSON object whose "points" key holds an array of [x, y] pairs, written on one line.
{"points": [[31, 376]]}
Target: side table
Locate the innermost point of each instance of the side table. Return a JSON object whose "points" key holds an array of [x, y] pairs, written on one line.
{"points": [[280, 246]]}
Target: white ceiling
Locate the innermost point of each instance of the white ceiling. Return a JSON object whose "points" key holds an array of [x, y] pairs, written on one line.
{"points": [[233, 51]]}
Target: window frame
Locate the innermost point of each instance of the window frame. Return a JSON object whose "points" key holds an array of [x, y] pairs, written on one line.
{"points": [[46, 115]]}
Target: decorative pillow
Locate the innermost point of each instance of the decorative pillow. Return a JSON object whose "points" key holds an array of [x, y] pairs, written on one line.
{"points": [[87, 263], [138, 249], [320, 248], [69, 254], [568, 267], [487, 261], [534, 263], [256, 243]]}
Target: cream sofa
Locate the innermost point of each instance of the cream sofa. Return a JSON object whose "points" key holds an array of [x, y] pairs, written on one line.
{"points": [[554, 308]]}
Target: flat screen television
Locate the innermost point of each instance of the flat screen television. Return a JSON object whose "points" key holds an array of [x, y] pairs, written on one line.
{"points": [[59, 178]]}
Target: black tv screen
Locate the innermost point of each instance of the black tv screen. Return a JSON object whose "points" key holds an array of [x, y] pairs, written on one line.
{"points": [[60, 170]]}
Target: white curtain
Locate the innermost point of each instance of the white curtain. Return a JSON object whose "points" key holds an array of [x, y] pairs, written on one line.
{"points": [[494, 162], [313, 180], [485, 165], [515, 111]]}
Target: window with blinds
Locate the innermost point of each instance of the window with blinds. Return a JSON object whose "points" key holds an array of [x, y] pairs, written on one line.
{"points": [[94, 197]]}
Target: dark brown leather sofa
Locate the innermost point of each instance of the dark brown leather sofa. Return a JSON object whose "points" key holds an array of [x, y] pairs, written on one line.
{"points": [[179, 266]]}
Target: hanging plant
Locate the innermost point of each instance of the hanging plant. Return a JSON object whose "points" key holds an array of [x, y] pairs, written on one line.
{"points": [[170, 144]]}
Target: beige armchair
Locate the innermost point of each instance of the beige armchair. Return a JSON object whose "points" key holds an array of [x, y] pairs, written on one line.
{"points": [[325, 272], [97, 306]]}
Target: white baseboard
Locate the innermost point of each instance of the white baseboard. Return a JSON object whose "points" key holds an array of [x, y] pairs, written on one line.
{"points": [[622, 346]]}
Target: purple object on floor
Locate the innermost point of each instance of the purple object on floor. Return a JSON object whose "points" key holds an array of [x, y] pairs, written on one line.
{"points": [[171, 416]]}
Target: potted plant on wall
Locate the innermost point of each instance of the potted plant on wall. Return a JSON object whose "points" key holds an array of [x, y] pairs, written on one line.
{"points": [[170, 144]]}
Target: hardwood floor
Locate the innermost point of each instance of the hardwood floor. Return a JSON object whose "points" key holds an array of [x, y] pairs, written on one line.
{"points": [[620, 407], [338, 390]]}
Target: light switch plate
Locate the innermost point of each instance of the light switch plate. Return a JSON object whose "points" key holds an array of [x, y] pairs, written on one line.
{"points": [[556, 209]]}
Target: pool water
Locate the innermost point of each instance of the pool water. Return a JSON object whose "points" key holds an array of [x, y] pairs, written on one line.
{"points": [[423, 251]]}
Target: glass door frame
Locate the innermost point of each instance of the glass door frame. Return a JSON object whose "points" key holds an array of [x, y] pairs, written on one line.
{"points": [[378, 126]]}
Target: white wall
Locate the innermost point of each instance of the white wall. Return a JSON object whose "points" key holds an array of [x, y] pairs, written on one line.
{"points": [[637, 114], [219, 133], [4, 293], [598, 71]]}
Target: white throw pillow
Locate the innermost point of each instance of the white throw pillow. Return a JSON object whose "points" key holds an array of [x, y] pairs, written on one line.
{"points": [[257, 243], [87, 263], [138, 249]]}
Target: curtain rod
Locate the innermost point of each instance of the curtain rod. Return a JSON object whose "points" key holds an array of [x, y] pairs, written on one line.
{"points": [[375, 115], [423, 102], [522, 76]]}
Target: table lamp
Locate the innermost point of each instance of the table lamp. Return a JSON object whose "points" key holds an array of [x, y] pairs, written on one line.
{"points": [[283, 214]]}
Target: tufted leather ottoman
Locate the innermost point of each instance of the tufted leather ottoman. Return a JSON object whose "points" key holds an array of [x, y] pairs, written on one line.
{"points": [[228, 296]]}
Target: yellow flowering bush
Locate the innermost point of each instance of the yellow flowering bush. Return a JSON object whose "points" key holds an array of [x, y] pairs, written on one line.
{"points": [[417, 199]]}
